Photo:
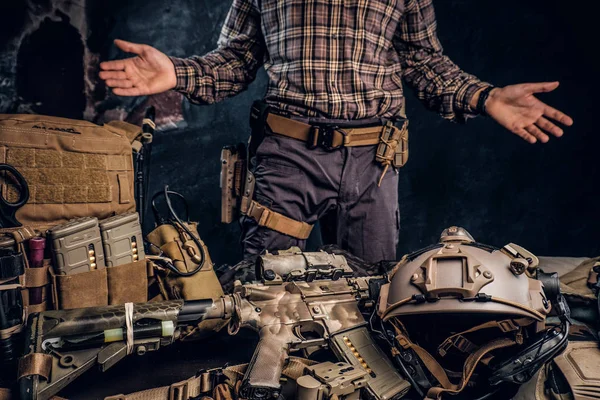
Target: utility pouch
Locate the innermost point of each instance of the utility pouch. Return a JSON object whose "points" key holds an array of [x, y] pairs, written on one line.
{"points": [[175, 244], [234, 168], [12, 269], [126, 283], [393, 145], [34, 281], [85, 289], [181, 276]]}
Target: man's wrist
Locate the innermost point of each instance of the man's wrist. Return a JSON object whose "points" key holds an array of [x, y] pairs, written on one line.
{"points": [[482, 100], [467, 97]]}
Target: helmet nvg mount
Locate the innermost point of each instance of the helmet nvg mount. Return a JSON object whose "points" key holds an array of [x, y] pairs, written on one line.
{"points": [[471, 300]]}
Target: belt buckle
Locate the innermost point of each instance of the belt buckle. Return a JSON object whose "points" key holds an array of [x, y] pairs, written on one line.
{"points": [[323, 137]]}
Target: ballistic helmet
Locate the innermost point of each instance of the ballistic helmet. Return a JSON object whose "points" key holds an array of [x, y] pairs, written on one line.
{"points": [[462, 299]]}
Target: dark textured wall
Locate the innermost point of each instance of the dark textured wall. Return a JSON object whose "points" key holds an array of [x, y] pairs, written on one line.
{"points": [[544, 197]]}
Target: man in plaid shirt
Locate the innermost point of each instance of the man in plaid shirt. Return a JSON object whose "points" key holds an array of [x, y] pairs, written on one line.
{"points": [[338, 63]]}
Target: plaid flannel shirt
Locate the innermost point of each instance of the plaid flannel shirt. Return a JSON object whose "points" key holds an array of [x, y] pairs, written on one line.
{"points": [[335, 59]]}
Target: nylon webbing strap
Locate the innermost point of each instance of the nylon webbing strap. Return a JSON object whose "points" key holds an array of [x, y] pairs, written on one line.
{"points": [[20, 234], [183, 390], [278, 222], [366, 136], [197, 385], [35, 364], [36, 277], [468, 368], [13, 330], [438, 371], [465, 345]]}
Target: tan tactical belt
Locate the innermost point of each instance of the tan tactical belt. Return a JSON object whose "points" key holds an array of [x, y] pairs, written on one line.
{"points": [[328, 137], [237, 181]]}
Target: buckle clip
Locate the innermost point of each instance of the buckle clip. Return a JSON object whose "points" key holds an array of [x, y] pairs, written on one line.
{"points": [[459, 342], [179, 391], [323, 137]]}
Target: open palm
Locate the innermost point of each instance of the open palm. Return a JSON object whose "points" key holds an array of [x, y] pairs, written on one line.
{"points": [[150, 72], [517, 109]]}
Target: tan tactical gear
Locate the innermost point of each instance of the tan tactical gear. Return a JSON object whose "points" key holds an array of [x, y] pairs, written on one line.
{"points": [[278, 222], [73, 168], [391, 141], [456, 271], [580, 365], [331, 381], [572, 375], [202, 384], [349, 137], [578, 282], [237, 191], [101, 287], [461, 277], [176, 244]]}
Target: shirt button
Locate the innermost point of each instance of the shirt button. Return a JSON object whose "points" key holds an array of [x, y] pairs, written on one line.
{"points": [[420, 55]]}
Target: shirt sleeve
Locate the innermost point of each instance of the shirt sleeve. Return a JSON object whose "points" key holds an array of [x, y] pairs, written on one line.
{"points": [[230, 68], [440, 84]]}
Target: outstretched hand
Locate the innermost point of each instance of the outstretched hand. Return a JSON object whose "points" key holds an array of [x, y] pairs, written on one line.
{"points": [[150, 72], [517, 109]]}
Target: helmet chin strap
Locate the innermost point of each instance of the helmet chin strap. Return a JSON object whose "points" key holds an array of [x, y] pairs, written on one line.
{"points": [[438, 371]]}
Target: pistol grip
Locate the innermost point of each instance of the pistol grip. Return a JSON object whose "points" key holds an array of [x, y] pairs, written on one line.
{"points": [[261, 380]]}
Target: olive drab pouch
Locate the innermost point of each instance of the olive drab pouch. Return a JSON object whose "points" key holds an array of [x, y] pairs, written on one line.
{"points": [[183, 269], [73, 168]]}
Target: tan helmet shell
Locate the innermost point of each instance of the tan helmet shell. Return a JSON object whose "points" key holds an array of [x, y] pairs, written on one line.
{"points": [[461, 269]]}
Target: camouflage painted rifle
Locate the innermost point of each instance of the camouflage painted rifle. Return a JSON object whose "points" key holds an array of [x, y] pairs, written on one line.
{"points": [[288, 316]]}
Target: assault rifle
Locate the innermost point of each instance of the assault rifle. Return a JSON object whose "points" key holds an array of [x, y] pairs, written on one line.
{"points": [[299, 311]]}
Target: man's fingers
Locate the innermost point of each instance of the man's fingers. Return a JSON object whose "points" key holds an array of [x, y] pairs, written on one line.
{"points": [[548, 126], [535, 131], [119, 83], [541, 87], [129, 47], [557, 115], [116, 65], [127, 92], [113, 75], [525, 135]]}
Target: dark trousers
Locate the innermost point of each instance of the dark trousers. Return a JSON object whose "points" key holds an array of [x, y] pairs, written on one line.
{"points": [[337, 187]]}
